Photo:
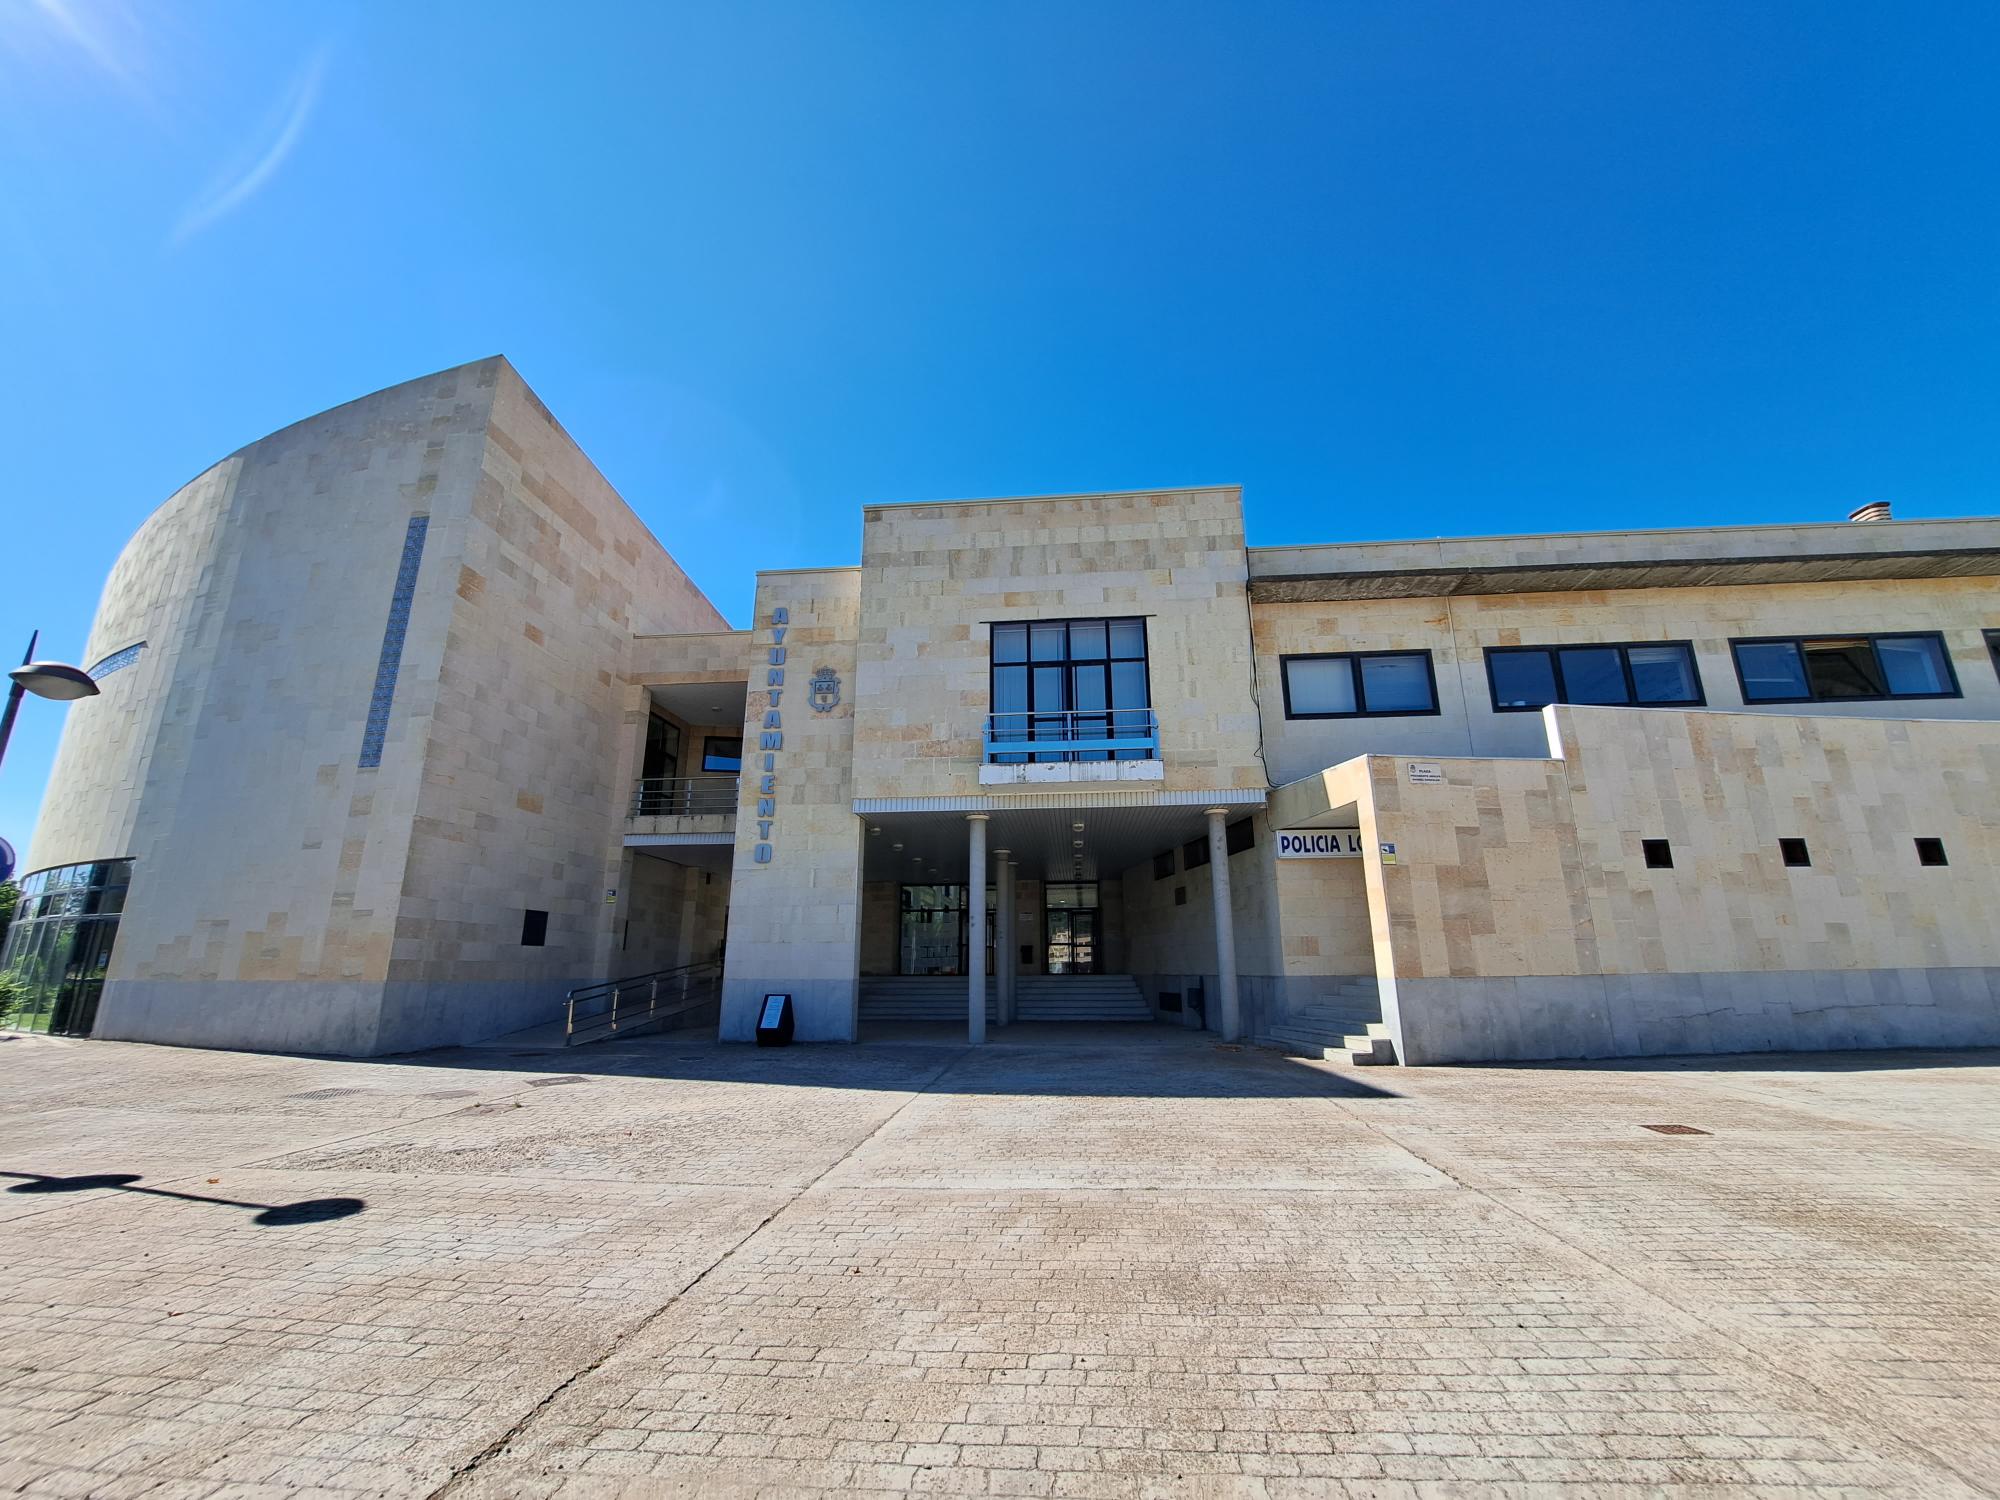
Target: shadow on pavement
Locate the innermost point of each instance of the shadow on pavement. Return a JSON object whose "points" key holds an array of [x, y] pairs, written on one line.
{"points": [[310, 1211]]}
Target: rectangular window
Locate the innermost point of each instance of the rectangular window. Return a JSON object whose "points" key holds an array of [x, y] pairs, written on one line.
{"points": [[1194, 853], [1844, 668], [1993, 647], [1794, 854], [663, 749], [1059, 681], [1655, 673], [1163, 865], [1930, 852], [1659, 854], [534, 928], [1240, 835], [722, 757], [1358, 684]]}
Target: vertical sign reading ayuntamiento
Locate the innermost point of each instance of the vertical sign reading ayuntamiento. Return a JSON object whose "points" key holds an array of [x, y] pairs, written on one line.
{"points": [[771, 741]]}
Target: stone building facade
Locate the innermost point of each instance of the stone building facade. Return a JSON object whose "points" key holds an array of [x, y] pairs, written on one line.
{"points": [[409, 727]]}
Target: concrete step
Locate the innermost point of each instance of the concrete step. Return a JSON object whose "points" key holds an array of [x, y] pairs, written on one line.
{"points": [[1372, 1047]]}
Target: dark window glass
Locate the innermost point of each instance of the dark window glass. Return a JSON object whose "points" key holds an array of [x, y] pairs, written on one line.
{"points": [[1180, 895], [1010, 643], [1843, 668], [1930, 852], [1163, 865], [1993, 646], [722, 756], [1194, 853], [1793, 852], [1663, 674], [1772, 671], [1240, 835], [1526, 677], [1914, 665], [534, 928], [1659, 854], [1848, 667], [663, 749], [1336, 686], [1592, 674], [1522, 679], [1053, 685]]}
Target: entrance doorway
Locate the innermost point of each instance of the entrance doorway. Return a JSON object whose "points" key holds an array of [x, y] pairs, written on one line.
{"points": [[1069, 925], [931, 937]]}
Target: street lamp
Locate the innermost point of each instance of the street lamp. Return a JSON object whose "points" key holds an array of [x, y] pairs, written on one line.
{"points": [[45, 679]]}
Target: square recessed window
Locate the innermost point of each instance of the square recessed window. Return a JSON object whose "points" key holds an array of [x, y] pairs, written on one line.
{"points": [[1180, 895], [1931, 852], [1163, 865], [534, 928], [1793, 852], [1659, 854]]}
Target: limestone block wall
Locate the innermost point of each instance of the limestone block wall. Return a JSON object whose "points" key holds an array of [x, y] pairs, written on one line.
{"points": [[287, 891], [1457, 632], [795, 915], [1520, 920], [934, 578]]}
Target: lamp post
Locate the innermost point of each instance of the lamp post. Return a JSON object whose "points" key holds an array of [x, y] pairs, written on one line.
{"points": [[45, 679]]}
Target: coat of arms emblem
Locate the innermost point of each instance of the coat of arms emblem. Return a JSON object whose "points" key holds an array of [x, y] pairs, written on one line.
{"points": [[824, 691]]}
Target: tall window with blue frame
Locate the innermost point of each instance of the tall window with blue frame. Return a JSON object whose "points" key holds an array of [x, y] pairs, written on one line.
{"points": [[1059, 683]]}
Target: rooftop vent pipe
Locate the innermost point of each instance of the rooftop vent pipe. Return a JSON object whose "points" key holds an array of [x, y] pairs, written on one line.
{"points": [[1874, 510]]}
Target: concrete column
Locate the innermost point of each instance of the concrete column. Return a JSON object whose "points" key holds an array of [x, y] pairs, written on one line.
{"points": [[975, 937], [1227, 1008], [1003, 935]]}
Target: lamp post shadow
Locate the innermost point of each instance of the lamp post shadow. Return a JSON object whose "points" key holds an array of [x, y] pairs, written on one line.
{"points": [[310, 1211]]}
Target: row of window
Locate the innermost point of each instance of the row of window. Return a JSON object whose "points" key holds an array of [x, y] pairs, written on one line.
{"points": [[1236, 837], [1659, 854], [1522, 679]]}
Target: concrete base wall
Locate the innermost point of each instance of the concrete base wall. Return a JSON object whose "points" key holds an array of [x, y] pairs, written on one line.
{"points": [[823, 1010], [330, 1017], [1657, 1015]]}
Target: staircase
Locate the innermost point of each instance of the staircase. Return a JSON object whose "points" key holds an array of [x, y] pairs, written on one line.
{"points": [[1080, 997], [1342, 1024], [1041, 997], [939, 999]]}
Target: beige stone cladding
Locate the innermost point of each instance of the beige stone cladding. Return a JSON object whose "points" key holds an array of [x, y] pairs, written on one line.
{"points": [[934, 577], [268, 866], [1457, 632], [1519, 918], [284, 894], [1170, 926], [521, 807], [795, 910]]}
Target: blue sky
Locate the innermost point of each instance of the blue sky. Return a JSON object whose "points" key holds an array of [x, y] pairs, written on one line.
{"points": [[1402, 269]]}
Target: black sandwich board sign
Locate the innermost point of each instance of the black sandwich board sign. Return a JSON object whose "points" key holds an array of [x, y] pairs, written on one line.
{"points": [[774, 1021]]}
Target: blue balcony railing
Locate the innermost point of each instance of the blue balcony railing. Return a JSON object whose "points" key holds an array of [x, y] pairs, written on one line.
{"points": [[1040, 738]]}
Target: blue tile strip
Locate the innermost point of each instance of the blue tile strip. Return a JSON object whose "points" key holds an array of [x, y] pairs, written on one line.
{"points": [[116, 660], [392, 642]]}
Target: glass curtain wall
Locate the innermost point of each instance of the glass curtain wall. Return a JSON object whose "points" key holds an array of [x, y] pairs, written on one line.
{"points": [[52, 969], [1057, 680]]}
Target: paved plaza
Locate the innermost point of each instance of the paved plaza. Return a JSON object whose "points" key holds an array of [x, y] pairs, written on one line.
{"points": [[1080, 1262]]}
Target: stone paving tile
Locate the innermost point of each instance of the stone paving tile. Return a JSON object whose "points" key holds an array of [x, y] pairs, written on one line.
{"points": [[663, 1266]]}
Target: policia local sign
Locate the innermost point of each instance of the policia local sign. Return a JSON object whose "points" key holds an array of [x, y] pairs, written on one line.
{"points": [[1319, 843]]}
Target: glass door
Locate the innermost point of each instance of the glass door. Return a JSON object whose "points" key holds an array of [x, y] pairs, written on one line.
{"points": [[1069, 922], [932, 936]]}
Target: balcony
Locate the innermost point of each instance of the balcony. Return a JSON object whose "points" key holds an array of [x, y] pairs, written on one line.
{"points": [[1101, 744], [684, 797]]}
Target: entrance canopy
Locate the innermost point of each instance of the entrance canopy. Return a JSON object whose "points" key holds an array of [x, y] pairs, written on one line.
{"points": [[1078, 837]]}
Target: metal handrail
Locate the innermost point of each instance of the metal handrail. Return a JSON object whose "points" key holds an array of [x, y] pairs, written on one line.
{"points": [[1066, 734], [639, 1000], [683, 796]]}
